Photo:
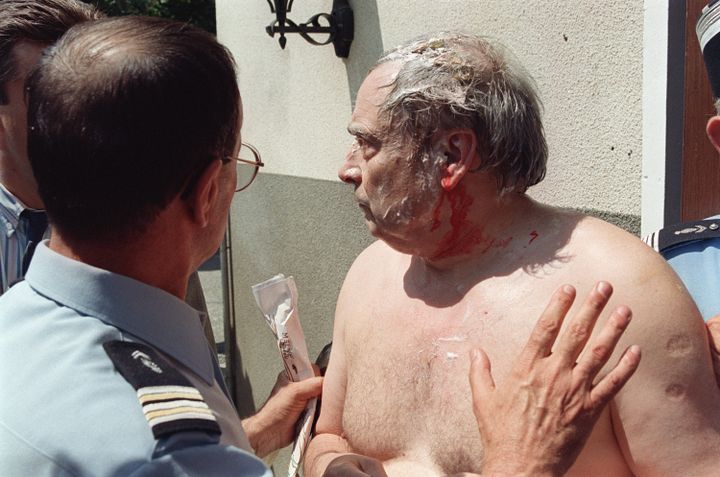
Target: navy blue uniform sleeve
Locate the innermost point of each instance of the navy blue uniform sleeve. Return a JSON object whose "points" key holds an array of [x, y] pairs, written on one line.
{"points": [[195, 454]]}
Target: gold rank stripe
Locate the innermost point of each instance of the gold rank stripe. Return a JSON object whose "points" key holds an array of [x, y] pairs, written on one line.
{"points": [[175, 412], [177, 417], [164, 393], [157, 406]]}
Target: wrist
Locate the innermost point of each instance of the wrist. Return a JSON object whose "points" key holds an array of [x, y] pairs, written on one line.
{"points": [[254, 432]]}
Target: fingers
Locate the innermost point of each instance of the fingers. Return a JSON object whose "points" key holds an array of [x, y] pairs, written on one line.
{"points": [[354, 465], [307, 388], [598, 353], [714, 330], [481, 380], [714, 334], [609, 386], [373, 468], [547, 327], [580, 327]]}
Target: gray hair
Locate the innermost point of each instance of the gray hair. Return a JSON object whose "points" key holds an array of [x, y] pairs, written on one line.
{"points": [[717, 106], [456, 80]]}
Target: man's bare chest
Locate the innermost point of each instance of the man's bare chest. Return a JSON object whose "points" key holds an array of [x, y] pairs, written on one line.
{"points": [[408, 394]]}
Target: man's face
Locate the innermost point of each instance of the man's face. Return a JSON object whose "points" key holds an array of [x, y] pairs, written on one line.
{"points": [[15, 171], [396, 193]]}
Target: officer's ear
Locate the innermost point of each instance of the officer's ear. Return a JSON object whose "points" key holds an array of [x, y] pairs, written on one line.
{"points": [[203, 197], [713, 131], [461, 152]]}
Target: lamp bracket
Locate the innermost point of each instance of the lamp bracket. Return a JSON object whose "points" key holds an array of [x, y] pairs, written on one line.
{"points": [[338, 25]]}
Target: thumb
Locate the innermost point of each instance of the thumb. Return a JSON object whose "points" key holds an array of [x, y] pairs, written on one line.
{"points": [[481, 380], [307, 388], [714, 331]]}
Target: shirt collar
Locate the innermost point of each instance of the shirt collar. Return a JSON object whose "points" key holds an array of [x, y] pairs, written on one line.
{"points": [[10, 209], [150, 314]]}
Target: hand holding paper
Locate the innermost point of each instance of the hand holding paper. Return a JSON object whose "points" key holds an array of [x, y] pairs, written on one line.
{"points": [[277, 299]]}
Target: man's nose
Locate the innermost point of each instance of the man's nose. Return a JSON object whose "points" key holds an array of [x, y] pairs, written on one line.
{"points": [[349, 171]]}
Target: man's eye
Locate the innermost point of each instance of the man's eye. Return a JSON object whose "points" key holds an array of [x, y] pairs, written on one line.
{"points": [[358, 144], [363, 147]]}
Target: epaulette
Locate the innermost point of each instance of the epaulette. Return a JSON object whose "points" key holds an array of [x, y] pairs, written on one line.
{"points": [[677, 234], [169, 401]]}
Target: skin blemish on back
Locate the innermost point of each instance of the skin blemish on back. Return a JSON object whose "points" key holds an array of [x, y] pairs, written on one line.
{"points": [[678, 346], [533, 236], [451, 356]]}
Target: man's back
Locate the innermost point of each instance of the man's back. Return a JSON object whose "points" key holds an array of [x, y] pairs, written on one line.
{"points": [[404, 333], [67, 409]]}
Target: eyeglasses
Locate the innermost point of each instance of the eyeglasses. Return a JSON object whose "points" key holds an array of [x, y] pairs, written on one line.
{"points": [[247, 168]]}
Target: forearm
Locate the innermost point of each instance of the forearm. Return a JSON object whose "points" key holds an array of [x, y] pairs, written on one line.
{"points": [[322, 450], [256, 434]]}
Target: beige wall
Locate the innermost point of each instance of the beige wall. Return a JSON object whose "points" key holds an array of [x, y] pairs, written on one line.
{"points": [[300, 220], [586, 59]]}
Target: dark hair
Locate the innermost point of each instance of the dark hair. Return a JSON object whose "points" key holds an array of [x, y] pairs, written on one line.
{"points": [[35, 21], [457, 80], [122, 112]]}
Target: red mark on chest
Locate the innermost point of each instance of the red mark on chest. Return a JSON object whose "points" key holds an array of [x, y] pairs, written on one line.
{"points": [[463, 237], [533, 236]]}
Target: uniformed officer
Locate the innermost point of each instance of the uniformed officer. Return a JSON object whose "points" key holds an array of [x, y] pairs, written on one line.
{"points": [[26, 28], [693, 250], [134, 131]]}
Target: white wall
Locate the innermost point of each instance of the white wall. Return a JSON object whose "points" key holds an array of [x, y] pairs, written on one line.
{"points": [[586, 57]]}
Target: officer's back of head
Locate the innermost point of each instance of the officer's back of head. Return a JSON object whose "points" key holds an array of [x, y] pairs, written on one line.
{"points": [[123, 114]]}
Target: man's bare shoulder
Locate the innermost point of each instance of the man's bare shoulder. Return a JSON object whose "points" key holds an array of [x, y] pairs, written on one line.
{"points": [[367, 279], [619, 254]]}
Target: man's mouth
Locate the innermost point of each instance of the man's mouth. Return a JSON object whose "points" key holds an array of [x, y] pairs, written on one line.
{"points": [[366, 210]]}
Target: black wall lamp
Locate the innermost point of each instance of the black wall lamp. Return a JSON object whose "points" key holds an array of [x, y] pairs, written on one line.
{"points": [[339, 27]]}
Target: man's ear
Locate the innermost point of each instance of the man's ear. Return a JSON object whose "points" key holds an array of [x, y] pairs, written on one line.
{"points": [[713, 131], [460, 149], [3, 127], [204, 195]]}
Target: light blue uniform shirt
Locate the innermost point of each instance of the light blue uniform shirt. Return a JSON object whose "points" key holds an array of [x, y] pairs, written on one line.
{"points": [[13, 239], [66, 411], [698, 265]]}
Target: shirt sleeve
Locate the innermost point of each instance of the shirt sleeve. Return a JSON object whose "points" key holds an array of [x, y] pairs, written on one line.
{"points": [[192, 454]]}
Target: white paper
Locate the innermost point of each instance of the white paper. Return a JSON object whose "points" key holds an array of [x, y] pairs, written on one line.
{"points": [[277, 299]]}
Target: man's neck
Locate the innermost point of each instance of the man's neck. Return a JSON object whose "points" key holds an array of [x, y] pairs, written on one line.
{"points": [[144, 259], [507, 239], [480, 233], [25, 193]]}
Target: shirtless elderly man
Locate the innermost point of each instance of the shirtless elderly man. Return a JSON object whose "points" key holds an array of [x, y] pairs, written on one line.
{"points": [[448, 137]]}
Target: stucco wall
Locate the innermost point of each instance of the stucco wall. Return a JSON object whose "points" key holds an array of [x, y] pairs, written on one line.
{"points": [[299, 219]]}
